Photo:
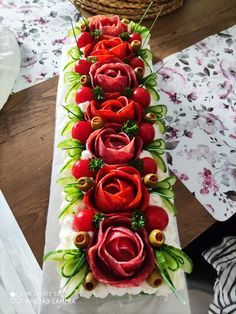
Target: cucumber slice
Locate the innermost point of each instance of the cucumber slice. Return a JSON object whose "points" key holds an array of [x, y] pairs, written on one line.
{"points": [[171, 261], [69, 163], [147, 55], [67, 128], [70, 143], [161, 126], [184, 260], [154, 94], [71, 188], [67, 180], [166, 192], [76, 281], [160, 162], [74, 112], [69, 64], [68, 268], [157, 145], [75, 152], [163, 185], [169, 205], [69, 256], [75, 53], [68, 209], [161, 263], [170, 180], [58, 255], [71, 78], [77, 31], [159, 110], [73, 196]]}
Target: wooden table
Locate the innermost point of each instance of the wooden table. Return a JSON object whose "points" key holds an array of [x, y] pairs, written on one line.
{"points": [[27, 127]]}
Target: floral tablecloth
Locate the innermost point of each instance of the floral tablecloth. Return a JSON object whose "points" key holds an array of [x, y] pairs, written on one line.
{"points": [[41, 28], [198, 83], [199, 86]]}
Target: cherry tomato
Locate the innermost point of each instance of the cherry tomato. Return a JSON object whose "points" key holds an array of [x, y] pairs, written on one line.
{"points": [[82, 66], [135, 36], [81, 169], [83, 94], [83, 220], [142, 96], [156, 218], [146, 132], [84, 39], [81, 131], [137, 62], [148, 166]]}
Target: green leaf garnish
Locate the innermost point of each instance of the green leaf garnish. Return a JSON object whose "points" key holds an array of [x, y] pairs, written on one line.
{"points": [[137, 163], [98, 93], [96, 33], [138, 220], [95, 164], [127, 92], [124, 36], [92, 59], [97, 219], [130, 127]]}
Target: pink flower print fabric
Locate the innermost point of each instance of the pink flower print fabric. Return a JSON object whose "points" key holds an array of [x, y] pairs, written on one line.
{"points": [[199, 86]]}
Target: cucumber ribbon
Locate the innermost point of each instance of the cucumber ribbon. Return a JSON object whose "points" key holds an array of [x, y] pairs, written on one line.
{"points": [[74, 264], [160, 112], [157, 148], [161, 263]]}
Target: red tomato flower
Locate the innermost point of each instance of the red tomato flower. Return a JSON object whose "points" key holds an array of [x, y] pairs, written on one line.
{"points": [[112, 47], [108, 25], [119, 256], [113, 146], [113, 76], [119, 110], [117, 189]]}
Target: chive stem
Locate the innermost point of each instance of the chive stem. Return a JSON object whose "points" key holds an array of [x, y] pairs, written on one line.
{"points": [[143, 16], [153, 23]]}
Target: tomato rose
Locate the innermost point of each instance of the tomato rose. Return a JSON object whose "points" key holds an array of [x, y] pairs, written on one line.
{"points": [[108, 25], [117, 189], [119, 256], [112, 47], [112, 75], [113, 146], [119, 110]]}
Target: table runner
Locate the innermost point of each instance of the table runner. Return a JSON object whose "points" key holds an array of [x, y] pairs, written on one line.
{"points": [[199, 84], [40, 27]]}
